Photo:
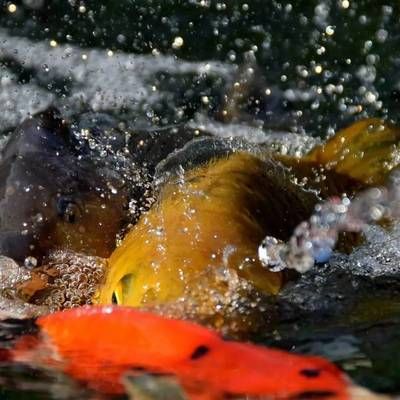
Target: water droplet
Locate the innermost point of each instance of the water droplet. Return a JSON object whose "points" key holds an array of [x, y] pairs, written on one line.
{"points": [[177, 43], [30, 262]]}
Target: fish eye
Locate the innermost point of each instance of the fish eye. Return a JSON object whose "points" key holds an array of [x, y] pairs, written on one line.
{"points": [[117, 294], [122, 289], [67, 209], [114, 298]]}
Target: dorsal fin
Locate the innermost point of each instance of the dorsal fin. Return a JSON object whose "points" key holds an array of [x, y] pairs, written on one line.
{"points": [[43, 132], [199, 152]]}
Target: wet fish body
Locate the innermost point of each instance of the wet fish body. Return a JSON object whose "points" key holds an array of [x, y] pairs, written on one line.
{"points": [[203, 232], [226, 191], [86, 343]]}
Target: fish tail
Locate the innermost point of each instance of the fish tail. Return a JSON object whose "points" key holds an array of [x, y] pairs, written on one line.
{"points": [[14, 332], [366, 151]]}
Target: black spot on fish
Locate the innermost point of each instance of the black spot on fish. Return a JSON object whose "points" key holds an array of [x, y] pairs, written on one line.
{"points": [[313, 395], [199, 352], [310, 372]]}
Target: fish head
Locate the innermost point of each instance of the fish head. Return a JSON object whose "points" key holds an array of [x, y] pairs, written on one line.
{"points": [[52, 196]]}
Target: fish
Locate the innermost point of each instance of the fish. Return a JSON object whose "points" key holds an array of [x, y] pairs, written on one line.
{"points": [[100, 345], [187, 216], [54, 196], [211, 215]]}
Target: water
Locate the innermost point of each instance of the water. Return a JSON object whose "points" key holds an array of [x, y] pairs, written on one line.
{"points": [[314, 240], [321, 63], [289, 74]]}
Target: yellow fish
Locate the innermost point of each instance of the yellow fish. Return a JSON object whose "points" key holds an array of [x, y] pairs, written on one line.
{"points": [[213, 217]]}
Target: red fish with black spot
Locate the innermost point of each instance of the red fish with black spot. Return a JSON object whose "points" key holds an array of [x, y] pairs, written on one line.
{"points": [[99, 345]]}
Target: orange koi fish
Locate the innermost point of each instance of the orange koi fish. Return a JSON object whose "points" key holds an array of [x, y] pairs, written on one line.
{"points": [[99, 345]]}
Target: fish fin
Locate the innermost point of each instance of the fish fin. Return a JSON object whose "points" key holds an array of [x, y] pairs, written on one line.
{"points": [[11, 329], [52, 121], [13, 332], [366, 151], [153, 387], [195, 153], [357, 157]]}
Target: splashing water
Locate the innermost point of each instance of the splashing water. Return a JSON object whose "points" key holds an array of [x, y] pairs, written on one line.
{"points": [[67, 279], [313, 240]]}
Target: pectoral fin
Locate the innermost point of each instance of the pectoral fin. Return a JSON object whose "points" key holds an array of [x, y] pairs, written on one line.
{"points": [[153, 387]]}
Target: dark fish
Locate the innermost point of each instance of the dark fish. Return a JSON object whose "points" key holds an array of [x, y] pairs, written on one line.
{"points": [[54, 196], [150, 147]]}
